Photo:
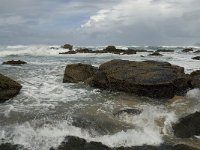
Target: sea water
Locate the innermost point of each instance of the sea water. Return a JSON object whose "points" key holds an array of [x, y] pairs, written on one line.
{"points": [[43, 113]]}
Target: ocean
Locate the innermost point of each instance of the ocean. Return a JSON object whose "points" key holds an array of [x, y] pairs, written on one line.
{"points": [[45, 110]]}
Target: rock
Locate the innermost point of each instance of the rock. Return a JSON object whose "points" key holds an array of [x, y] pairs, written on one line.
{"points": [[112, 49], [9, 146], [56, 48], [187, 50], [188, 126], [198, 51], [13, 62], [69, 52], [84, 50], [100, 124], [67, 46], [137, 50], [195, 79], [76, 143], [148, 78], [8, 88], [196, 58], [78, 72], [131, 111], [129, 52], [155, 54], [164, 50]]}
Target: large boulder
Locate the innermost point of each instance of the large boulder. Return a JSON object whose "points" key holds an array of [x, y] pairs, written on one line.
{"points": [[67, 46], [195, 77], [8, 88], [9, 146], [78, 72], [188, 126], [148, 78], [14, 62]]}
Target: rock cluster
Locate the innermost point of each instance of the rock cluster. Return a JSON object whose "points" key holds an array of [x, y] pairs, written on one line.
{"points": [[14, 62], [149, 78]]}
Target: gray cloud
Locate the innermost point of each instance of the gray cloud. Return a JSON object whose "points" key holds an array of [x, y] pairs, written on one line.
{"points": [[94, 22]]}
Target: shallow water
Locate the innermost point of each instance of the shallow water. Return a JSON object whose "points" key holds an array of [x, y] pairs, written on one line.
{"points": [[45, 110]]}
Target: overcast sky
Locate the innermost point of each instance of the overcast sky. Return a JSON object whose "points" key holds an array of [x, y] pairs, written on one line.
{"points": [[100, 22]]}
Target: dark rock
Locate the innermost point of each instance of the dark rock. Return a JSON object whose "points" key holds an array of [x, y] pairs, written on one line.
{"points": [[187, 50], [148, 78], [84, 50], [78, 72], [188, 126], [129, 52], [198, 51], [9, 146], [155, 54], [69, 52], [164, 50], [76, 143], [131, 111], [196, 58], [8, 88], [13, 62], [137, 50], [114, 50], [67, 46], [195, 79]]}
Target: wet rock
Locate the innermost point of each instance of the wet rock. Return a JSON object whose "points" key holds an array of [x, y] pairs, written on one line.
{"points": [[160, 147], [84, 50], [130, 111], [67, 46], [100, 124], [8, 88], [195, 79], [155, 54], [186, 50], [76, 143], [148, 78], [13, 62], [198, 51], [137, 50], [164, 50], [69, 52], [196, 58], [9, 146], [114, 50], [188, 126], [78, 72]]}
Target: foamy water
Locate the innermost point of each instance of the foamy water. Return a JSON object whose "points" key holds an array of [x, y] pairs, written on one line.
{"points": [[42, 114]]}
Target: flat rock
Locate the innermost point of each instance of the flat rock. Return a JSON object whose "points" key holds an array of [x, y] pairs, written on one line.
{"points": [[8, 88], [13, 62], [155, 54], [148, 78], [188, 126]]}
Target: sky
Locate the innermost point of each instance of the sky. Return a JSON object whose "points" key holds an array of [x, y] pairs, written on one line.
{"points": [[100, 22]]}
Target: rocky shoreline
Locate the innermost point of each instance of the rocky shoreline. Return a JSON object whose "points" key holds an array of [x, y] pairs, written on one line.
{"points": [[153, 79]]}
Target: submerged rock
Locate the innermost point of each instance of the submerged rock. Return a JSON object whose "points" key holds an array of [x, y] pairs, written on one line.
{"points": [[188, 126], [84, 50], [196, 58], [67, 46], [149, 78], [100, 124], [164, 50], [69, 52], [13, 62], [198, 51], [78, 72], [195, 79], [155, 54], [76, 143], [130, 111], [187, 50], [8, 88]]}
